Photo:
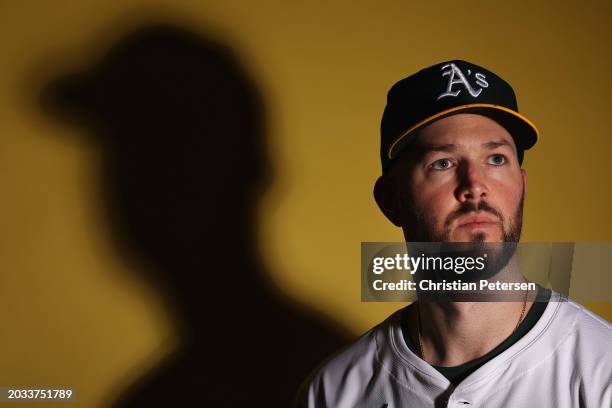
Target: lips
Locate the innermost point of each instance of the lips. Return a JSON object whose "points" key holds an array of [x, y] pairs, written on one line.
{"points": [[477, 220]]}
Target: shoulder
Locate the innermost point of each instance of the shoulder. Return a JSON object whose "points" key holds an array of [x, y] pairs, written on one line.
{"points": [[589, 349], [588, 335], [593, 356], [347, 371], [587, 326]]}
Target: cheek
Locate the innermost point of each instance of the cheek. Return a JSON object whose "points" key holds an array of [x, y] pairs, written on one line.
{"points": [[508, 197], [435, 203]]}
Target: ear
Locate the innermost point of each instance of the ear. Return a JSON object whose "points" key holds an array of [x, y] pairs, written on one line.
{"points": [[524, 175], [387, 198]]}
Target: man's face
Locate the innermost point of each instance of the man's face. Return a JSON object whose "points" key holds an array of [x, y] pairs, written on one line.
{"points": [[461, 182]]}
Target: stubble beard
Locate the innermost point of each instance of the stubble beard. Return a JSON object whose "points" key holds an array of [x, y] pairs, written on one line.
{"points": [[499, 253], [420, 228]]}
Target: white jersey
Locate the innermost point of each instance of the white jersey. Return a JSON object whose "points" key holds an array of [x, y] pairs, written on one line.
{"points": [[565, 360]]}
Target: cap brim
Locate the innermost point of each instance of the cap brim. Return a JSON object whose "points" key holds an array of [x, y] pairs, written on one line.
{"points": [[72, 96], [523, 131]]}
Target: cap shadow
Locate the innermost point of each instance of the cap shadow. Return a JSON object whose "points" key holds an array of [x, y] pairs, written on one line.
{"points": [[181, 129]]}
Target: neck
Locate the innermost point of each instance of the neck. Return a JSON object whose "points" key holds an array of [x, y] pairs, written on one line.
{"points": [[451, 333]]}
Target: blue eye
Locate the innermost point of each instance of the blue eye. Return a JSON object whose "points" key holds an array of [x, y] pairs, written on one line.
{"points": [[497, 159], [442, 164]]}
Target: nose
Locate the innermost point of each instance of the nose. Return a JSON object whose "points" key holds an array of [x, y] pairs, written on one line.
{"points": [[472, 184]]}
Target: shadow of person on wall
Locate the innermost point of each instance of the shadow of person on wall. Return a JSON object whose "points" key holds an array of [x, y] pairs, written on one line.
{"points": [[181, 129]]}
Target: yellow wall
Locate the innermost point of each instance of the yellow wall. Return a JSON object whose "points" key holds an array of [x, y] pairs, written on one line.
{"points": [[71, 314]]}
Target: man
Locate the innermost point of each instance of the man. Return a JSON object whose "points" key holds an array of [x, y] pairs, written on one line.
{"points": [[452, 146]]}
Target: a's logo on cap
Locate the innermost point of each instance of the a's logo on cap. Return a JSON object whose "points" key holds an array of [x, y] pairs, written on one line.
{"points": [[456, 77]]}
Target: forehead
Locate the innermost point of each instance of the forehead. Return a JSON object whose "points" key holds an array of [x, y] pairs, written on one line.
{"points": [[464, 129]]}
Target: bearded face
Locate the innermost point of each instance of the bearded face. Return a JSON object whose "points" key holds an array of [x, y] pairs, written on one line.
{"points": [[460, 184]]}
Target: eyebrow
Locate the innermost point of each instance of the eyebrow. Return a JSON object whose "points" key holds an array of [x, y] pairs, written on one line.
{"points": [[426, 148], [497, 143]]}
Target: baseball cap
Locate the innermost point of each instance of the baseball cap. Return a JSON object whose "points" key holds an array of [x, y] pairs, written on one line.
{"points": [[445, 89]]}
